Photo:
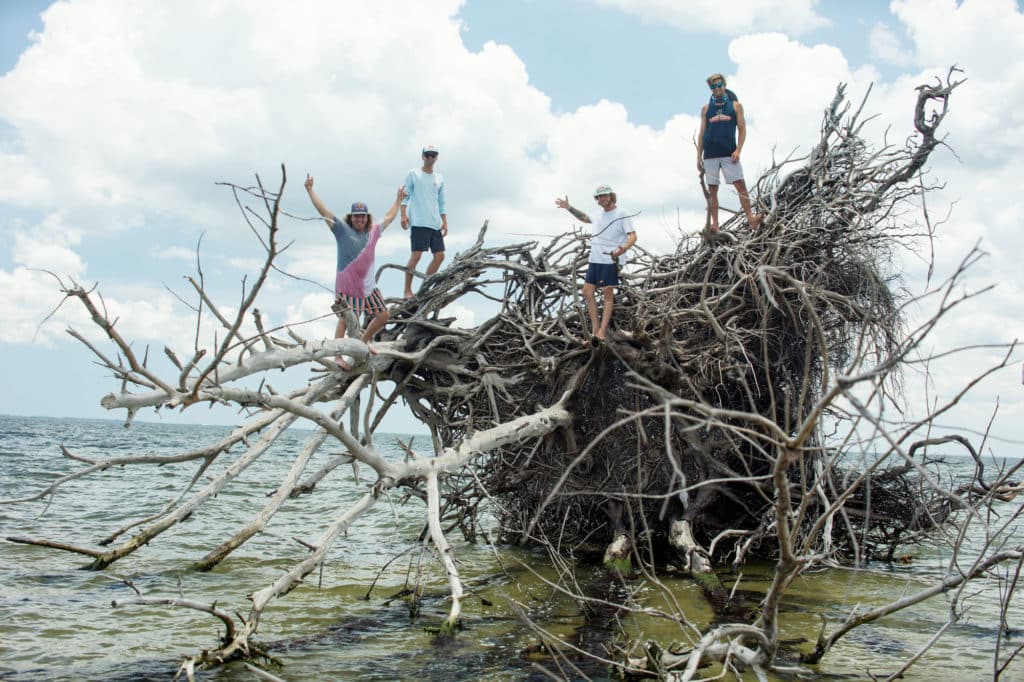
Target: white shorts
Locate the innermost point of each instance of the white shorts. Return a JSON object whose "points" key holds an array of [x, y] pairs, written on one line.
{"points": [[732, 170]]}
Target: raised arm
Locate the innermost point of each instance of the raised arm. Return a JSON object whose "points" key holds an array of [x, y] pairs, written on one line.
{"points": [[317, 204], [393, 211], [576, 213]]}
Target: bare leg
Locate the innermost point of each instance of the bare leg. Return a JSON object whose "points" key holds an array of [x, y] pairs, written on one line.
{"points": [[588, 296], [435, 263], [339, 333], [753, 219], [713, 205], [606, 315], [413, 260], [376, 324]]}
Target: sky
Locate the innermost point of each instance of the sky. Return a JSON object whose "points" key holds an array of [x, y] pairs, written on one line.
{"points": [[117, 121]]}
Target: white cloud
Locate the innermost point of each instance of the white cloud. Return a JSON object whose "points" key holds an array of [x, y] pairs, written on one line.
{"points": [[884, 45], [143, 123], [146, 127], [29, 290], [784, 86], [252, 265], [311, 316], [44, 259], [28, 297], [144, 315], [150, 317], [980, 35], [973, 202], [465, 318], [143, 127], [175, 253], [728, 18], [49, 247]]}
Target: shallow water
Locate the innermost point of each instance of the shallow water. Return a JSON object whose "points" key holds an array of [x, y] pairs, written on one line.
{"points": [[56, 621]]}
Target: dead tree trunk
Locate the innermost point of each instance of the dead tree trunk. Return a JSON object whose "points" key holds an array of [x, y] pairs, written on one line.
{"points": [[699, 424]]}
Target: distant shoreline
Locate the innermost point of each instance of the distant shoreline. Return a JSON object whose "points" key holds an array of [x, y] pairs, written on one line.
{"points": [[147, 422], [959, 454]]}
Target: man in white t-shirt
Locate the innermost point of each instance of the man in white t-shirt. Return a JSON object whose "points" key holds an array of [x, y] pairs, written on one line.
{"points": [[612, 234]]}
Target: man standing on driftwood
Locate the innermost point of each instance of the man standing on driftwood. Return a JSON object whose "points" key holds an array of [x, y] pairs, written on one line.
{"points": [[423, 210], [718, 150], [612, 235]]}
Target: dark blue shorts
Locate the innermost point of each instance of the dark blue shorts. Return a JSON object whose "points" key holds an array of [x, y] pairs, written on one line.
{"points": [[602, 274], [424, 238]]}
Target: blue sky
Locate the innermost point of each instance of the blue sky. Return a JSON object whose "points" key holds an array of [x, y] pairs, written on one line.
{"points": [[579, 53], [116, 122]]}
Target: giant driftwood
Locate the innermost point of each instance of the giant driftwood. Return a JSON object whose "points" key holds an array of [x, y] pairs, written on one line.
{"points": [[707, 422]]}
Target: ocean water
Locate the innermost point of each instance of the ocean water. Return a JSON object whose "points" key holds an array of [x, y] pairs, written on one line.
{"points": [[350, 620]]}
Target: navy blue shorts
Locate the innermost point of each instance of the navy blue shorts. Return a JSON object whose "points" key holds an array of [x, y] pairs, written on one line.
{"points": [[424, 238], [602, 274]]}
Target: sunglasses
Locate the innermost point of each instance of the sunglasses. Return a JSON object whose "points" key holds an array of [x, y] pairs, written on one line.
{"points": [[430, 154], [716, 85]]}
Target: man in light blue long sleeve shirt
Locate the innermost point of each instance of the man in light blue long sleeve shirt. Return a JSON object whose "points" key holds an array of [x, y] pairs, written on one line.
{"points": [[424, 211]]}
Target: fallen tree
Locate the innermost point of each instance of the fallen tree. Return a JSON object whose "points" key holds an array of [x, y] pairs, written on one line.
{"points": [[720, 420]]}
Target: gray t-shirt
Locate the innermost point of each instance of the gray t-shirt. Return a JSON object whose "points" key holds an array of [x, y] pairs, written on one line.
{"points": [[350, 244]]}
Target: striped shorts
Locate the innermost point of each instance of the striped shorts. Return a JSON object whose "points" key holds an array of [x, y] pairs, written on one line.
{"points": [[372, 304]]}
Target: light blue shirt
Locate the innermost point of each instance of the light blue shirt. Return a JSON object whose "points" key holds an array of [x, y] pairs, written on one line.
{"points": [[425, 200]]}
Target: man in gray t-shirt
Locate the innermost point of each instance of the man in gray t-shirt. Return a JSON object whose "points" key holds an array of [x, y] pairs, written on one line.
{"points": [[612, 234]]}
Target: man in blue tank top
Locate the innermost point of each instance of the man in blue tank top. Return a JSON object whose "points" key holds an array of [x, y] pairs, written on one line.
{"points": [[718, 150]]}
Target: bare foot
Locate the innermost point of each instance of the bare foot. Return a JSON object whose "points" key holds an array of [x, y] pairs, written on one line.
{"points": [[408, 294], [342, 362], [713, 229], [755, 222], [369, 347]]}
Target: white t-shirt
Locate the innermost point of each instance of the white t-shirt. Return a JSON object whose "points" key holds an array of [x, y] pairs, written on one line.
{"points": [[608, 230]]}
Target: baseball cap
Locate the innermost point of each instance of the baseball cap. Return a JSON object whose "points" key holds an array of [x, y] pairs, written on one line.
{"points": [[603, 189], [431, 149], [359, 208]]}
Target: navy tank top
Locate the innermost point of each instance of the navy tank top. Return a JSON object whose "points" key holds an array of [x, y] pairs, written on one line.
{"points": [[720, 128]]}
